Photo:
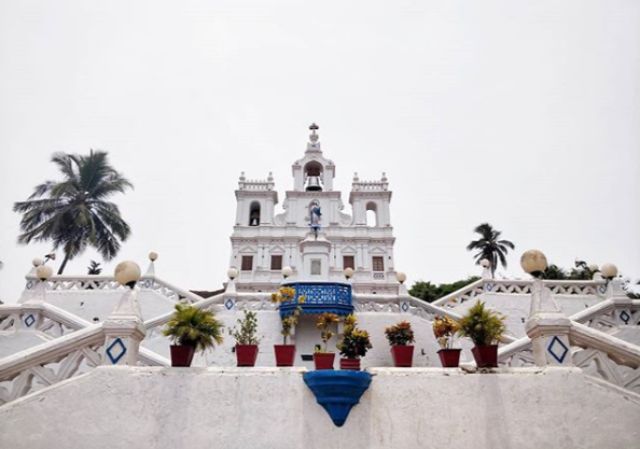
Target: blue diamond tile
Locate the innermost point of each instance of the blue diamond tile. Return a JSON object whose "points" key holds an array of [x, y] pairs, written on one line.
{"points": [[404, 306], [557, 349], [488, 287], [603, 289], [624, 316], [29, 320], [229, 303], [29, 285], [116, 350]]}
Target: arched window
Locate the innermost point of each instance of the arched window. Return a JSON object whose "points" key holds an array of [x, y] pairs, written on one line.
{"points": [[254, 214], [313, 176], [372, 214]]}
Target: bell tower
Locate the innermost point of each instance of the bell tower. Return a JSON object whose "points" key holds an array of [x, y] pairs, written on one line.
{"points": [[313, 173]]}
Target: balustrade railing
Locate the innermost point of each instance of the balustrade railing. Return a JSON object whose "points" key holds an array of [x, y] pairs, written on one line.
{"points": [[46, 319], [522, 287], [104, 283], [319, 297], [51, 362], [593, 348]]}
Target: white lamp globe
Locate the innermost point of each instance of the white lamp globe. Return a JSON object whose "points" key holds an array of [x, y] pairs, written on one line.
{"points": [[401, 277], [348, 272], [286, 271], [593, 267], [153, 256], [127, 273], [609, 271], [533, 262], [36, 262], [232, 273], [485, 263], [43, 272]]}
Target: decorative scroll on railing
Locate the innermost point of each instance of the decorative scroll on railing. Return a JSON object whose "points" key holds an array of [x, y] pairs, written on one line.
{"points": [[522, 287], [598, 364]]}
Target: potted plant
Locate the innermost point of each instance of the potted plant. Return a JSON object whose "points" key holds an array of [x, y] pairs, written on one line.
{"points": [[285, 353], [399, 335], [322, 358], [191, 329], [484, 327], [444, 329], [246, 339], [354, 344]]}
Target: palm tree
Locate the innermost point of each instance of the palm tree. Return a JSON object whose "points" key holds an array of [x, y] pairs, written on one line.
{"points": [[490, 247], [73, 212]]}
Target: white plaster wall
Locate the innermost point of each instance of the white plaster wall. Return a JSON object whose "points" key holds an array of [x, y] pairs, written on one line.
{"points": [[89, 304], [122, 407]]}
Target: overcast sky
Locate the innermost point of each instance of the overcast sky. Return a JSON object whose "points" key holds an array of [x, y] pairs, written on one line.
{"points": [[525, 114]]}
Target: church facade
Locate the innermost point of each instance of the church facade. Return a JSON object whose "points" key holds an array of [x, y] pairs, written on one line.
{"points": [[313, 236]]}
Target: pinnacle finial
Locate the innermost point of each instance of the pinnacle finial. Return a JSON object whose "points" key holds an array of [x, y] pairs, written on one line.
{"points": [[314, 135]]}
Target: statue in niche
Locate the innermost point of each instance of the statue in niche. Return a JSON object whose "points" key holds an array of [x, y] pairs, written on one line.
{"points": [[314, 216]]}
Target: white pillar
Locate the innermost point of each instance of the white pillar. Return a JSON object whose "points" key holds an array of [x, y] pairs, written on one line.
{"points": [[124, 330], [548, 329], [622, 303]]}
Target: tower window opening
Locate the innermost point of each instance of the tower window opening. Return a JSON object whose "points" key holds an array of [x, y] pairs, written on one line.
{"points": [[372, 214], [316, 267], [348, 262], [254, 214], [276, 262], [247, 263], [378, 263], [313, 176]]}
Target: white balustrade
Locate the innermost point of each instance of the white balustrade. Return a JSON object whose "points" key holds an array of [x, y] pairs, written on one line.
{"points": [[51, 362], [523, 287]]}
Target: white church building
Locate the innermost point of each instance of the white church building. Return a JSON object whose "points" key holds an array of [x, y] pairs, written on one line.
{"points": [[81, 368], [314, 236]]}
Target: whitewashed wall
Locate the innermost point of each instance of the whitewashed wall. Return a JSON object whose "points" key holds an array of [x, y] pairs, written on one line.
{"points": [[121, 407]]}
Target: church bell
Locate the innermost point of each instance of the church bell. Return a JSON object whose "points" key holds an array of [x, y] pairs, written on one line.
{"points": [[313, 184]]}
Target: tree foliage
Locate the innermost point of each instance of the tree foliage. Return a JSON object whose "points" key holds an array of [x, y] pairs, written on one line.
{"points": [[489, 246], [580, 272], [94, 268], [74, 212], [430, 292]]}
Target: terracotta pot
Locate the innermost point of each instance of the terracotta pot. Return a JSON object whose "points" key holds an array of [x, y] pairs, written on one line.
{"points": [[285, 354], [324, 360], [246, 355], [450, 358], [350, 364], [402, 355], [182, 355], [486, 356]]}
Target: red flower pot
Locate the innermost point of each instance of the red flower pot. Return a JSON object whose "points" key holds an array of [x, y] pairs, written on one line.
{"points": [[246, 355], [324, 360], [182, 355], [450, 358], [486, 356], [285, 354], [402, 355], [350, 364]]}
